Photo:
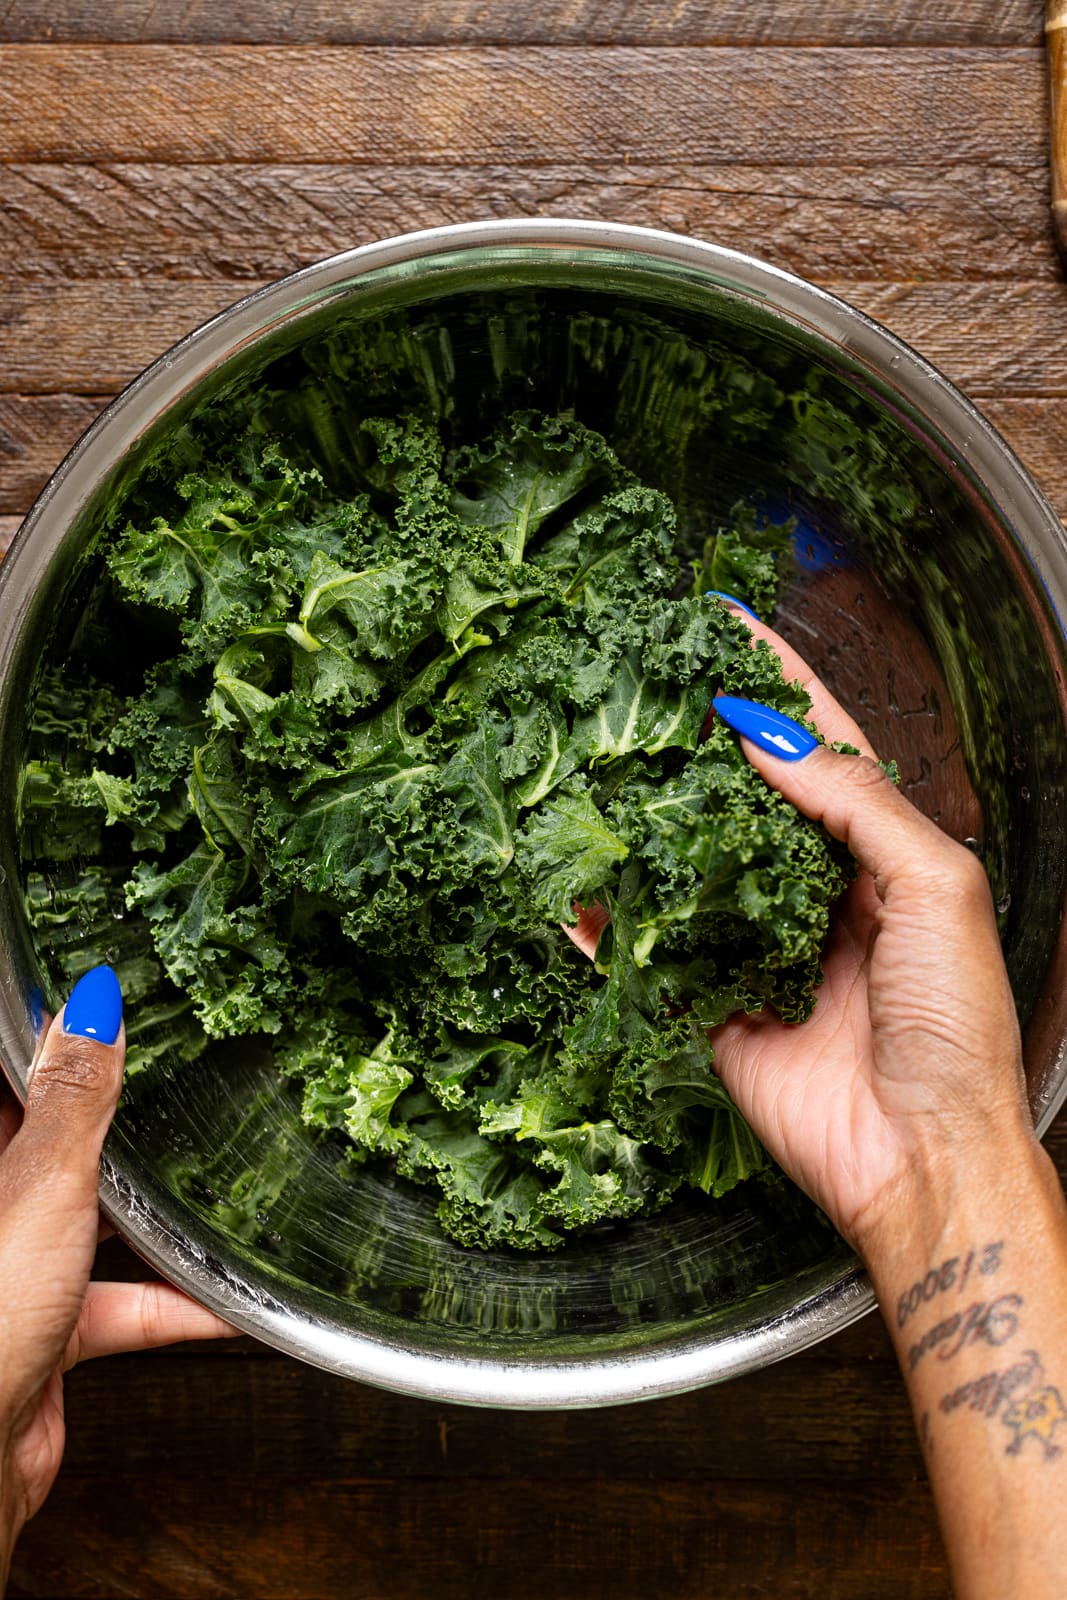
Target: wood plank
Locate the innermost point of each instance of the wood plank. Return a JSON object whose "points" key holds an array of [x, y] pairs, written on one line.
{"points": [[101, 335], [251, 221], [1037, 432], [9, 526], [451, 107], [90, 337], [770, 1426], [514, 22], [989, 342], [36, 431], [158, 1534]]}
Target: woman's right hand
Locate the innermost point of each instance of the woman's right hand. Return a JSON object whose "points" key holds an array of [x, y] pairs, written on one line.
{"points": [[900, 1106], [911, 1061]]}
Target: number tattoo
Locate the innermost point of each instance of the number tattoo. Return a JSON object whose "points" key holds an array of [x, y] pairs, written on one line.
{"points": [[940, 1279]]}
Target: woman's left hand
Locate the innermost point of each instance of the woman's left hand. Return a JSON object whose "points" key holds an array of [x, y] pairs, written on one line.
{"points": [[51, 1316]]}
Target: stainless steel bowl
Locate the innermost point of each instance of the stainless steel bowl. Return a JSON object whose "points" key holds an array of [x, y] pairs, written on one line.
{"points": [[929, 597]]}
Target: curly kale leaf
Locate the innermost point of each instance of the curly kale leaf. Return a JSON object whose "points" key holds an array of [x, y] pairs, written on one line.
{"points": [[569, 850]]}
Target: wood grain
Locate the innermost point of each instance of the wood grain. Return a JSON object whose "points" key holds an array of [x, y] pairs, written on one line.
{"points": [[767, 1426], [834, 22], [986, 338], [989, 338], [260, 220], [36, 431], [523, 1538], [439, 106], [1037, 432]]}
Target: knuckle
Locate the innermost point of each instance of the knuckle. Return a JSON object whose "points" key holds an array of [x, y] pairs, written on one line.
{"points": [[970, 875], [864, 774], [961, 878], [151, 1314], [76, 1066]]}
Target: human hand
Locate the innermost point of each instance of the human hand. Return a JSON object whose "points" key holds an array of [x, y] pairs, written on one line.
{"points": [[51, 1316], [911, 1061]]}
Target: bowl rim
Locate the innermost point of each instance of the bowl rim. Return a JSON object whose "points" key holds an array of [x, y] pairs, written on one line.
{"points": [[680, 1362]]}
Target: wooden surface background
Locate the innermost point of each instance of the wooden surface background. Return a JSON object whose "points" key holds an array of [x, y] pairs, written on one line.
{"points": [[160, 158]]}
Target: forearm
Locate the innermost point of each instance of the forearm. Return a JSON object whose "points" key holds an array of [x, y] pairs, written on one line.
{"points": [[972, 1281]]}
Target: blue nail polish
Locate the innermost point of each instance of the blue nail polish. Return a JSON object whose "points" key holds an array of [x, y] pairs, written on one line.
{"points": [[94, 1010], [39, 1017], [720, 594], [779, 735]]}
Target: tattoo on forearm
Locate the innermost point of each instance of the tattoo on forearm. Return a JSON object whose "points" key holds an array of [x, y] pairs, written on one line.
{"points": [[1038, 1410], [1016, 1394], [992, 1390], [951, 1274], [995, 1321], [1039, 1413]]}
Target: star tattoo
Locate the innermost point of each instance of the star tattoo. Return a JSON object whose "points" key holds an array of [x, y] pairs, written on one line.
{"points": [[1040, 1414]]}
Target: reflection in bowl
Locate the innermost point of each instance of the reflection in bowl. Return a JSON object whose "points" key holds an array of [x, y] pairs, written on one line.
{"points": [[927, 586]]}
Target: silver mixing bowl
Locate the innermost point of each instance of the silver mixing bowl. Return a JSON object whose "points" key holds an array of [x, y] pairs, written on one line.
{"points": [[928, 591]]}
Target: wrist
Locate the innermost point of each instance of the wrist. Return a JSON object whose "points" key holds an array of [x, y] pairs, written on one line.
{"points": [[1004, 1176]]}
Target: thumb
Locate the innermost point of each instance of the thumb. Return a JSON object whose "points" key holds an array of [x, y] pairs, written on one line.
{"points": [[48, 1180], [75, 1081], [851, 796]]}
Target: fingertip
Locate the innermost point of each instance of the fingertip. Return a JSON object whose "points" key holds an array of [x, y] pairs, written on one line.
{"points": [[829, 716], [585, 933], [83, 1037], [121, 1317], [807, 779], [76, 1074], [855, 800]]}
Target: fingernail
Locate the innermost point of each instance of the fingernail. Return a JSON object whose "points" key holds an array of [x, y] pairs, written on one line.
{"points": [[732, 600], [779, 735], [94, 1010]]}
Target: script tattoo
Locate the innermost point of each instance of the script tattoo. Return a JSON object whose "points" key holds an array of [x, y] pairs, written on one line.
{"points": [[953, 1273], [992, 1390], [1026, 1405], [1017, 1394], [994, 1321]]}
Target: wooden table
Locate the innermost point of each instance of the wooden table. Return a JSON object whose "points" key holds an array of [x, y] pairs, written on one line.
{"points": [[160, 158]]}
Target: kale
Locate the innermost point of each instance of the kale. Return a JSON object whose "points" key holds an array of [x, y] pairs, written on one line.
{"points": [[405, 734]]}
